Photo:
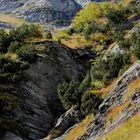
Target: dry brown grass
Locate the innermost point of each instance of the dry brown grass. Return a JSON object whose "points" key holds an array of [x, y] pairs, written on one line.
{"points": [[79, 129], [37, 40], [75, 41], [129, 130], [107, 89], [104, 90], [11, 19], [114, 112], [131, 88]]}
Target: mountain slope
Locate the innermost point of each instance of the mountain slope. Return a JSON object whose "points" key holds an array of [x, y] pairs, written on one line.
{"points": [[121, 104], [29, 76], [98, 85], [43, 11], [84, 2], [113, 31]]}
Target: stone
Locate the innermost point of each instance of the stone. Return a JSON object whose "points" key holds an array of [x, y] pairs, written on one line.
{"points": [[11, 136], [66, 120], [40, 105], [6, 25]]}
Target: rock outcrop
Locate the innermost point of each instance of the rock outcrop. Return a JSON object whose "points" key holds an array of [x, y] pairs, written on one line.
{"points": [[84, 2], [11, 136], [65, 121], [119, 96], [40, 106], [6, 25]]}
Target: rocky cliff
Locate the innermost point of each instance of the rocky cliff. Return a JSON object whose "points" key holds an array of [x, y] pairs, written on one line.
{"points": [[40, 105]]}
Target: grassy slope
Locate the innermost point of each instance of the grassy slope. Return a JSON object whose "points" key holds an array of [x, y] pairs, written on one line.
{"points": [[11, 19], [130, 130]]}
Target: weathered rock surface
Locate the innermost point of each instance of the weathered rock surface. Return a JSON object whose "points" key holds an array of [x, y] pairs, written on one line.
{"points": [[65, 121], [117, 96], [114, 99], [41, 10], [6, 25], [11, 136], [84, 2], [40, 105]]}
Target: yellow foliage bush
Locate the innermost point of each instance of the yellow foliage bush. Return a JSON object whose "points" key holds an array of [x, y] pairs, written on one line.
{"points": [[91, 12]]}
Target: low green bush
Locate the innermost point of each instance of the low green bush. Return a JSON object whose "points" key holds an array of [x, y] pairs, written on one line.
{"points": [[48, 35], [4, 40], [108, 68], [136, 43], [119, 15], [90, 103], [25, 31], [14, 46], [27, 53], [90, 28], [69, 94]]}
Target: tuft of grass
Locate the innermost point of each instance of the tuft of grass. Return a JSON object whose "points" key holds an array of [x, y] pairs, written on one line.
{"points": [[107, 89], [11, 19], [98, 37], [116, 111], [97, 84], [131, 88], [79, 129], [12, 56], [103, 90]]}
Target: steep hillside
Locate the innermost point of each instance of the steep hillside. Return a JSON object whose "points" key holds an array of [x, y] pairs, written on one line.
{"points": [[118, 115], [43, 11], [79, 83], [119, 106], [31, 67], [110, 90], [55, 13]]}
